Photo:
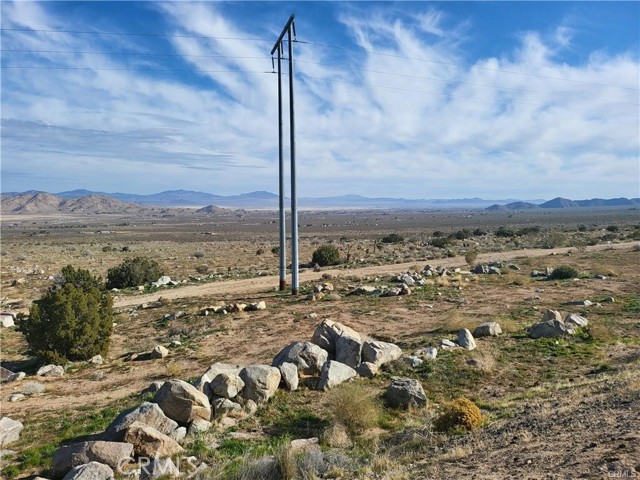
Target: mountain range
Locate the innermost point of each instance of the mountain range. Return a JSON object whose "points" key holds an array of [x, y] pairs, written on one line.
{"points": [[560, 202], [90, 202]]}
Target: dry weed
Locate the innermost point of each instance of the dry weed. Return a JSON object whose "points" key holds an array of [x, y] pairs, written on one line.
{"points": [[456, 453], [355, 407], [336, 436]]}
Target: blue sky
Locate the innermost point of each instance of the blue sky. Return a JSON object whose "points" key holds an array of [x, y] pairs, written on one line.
{"points": [[400, 99]]}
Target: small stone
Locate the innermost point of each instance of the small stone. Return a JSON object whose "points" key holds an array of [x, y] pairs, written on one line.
{"points": [[446, 344], [574, 321], [96, 360], [159, 468], [551, 315], [466, 340], [16, 397], [413, 361], [199, 425], [50, 371], [159, 352], [487, 329]]}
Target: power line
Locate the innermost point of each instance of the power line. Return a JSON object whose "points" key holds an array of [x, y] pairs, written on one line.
{"points": [[38, 67], [369, 52], [129, 34], [88, 52]]}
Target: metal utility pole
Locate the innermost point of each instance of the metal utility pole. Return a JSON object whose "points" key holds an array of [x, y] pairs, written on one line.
{"points": [[288, 28], [283, 237]]}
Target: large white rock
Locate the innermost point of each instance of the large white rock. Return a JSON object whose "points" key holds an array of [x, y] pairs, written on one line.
{"points": [[380, 353], [149, 442], [307, 356], [260, 382], [146, 414], [466, 340], [203, 383], [573, 321], [50, 371], [9, 430], [109, 453], [90, 471], [334, 373], [343, 343], [487, 329], [182, 402], [226, 385], [289, 373], [405, 393], [548, 329]]}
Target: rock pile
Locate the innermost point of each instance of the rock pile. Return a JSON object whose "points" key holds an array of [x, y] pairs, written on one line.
{"points": [[224, 394]]}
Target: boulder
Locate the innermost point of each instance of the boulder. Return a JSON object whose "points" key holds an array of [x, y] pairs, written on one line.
{"points": [[573, 321], [225, 407], [260, 382], [466, 340], [50, 371], [9, 430], [148, 413], [548, 329], [368, 370], [182, 402], [380, 352], [226, 385], [159, 352], [212, 372], [343, 343], [551, 315], [7, 376], [159, 468], [405, 393], [112, 454], [199, 425], [90, 471], [289, 374], [487, 329], [334, 373], [153, 387], [149, 442], [307, 356], [481, 269]]}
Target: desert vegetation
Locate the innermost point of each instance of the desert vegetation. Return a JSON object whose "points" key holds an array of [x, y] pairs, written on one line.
{"points": [[513, 394]]}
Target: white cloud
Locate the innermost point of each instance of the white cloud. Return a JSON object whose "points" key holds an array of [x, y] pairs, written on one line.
{"points": [[443, 127]]}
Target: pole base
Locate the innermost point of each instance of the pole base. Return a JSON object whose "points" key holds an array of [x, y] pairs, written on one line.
{"points": [[283, 285], [294, 291]]}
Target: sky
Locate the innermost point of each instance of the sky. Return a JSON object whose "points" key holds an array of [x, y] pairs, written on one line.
{"points": [[523, 100]]}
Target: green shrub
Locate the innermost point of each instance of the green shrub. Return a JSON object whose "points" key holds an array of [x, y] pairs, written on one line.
{"points": [[505, 232], [326, 255], [393, 238], [563, 272], [440, 242], [612, 228], [72, 321], [462, 234], [478, 232], [133, 272], [460, 413], [528, 231]]}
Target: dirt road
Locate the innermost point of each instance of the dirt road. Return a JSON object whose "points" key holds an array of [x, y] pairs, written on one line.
{"points": [[263, 284]]}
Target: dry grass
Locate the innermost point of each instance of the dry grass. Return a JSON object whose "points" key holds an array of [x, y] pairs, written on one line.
{"points": [[355, 407], [336, 436], [456, 454]]}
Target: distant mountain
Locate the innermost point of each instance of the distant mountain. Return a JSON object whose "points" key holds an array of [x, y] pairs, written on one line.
{"points": [[512, 206], [40, 203], [560, 202]]}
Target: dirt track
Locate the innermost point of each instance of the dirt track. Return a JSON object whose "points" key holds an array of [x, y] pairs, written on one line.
{"points": [[262, 284]]}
